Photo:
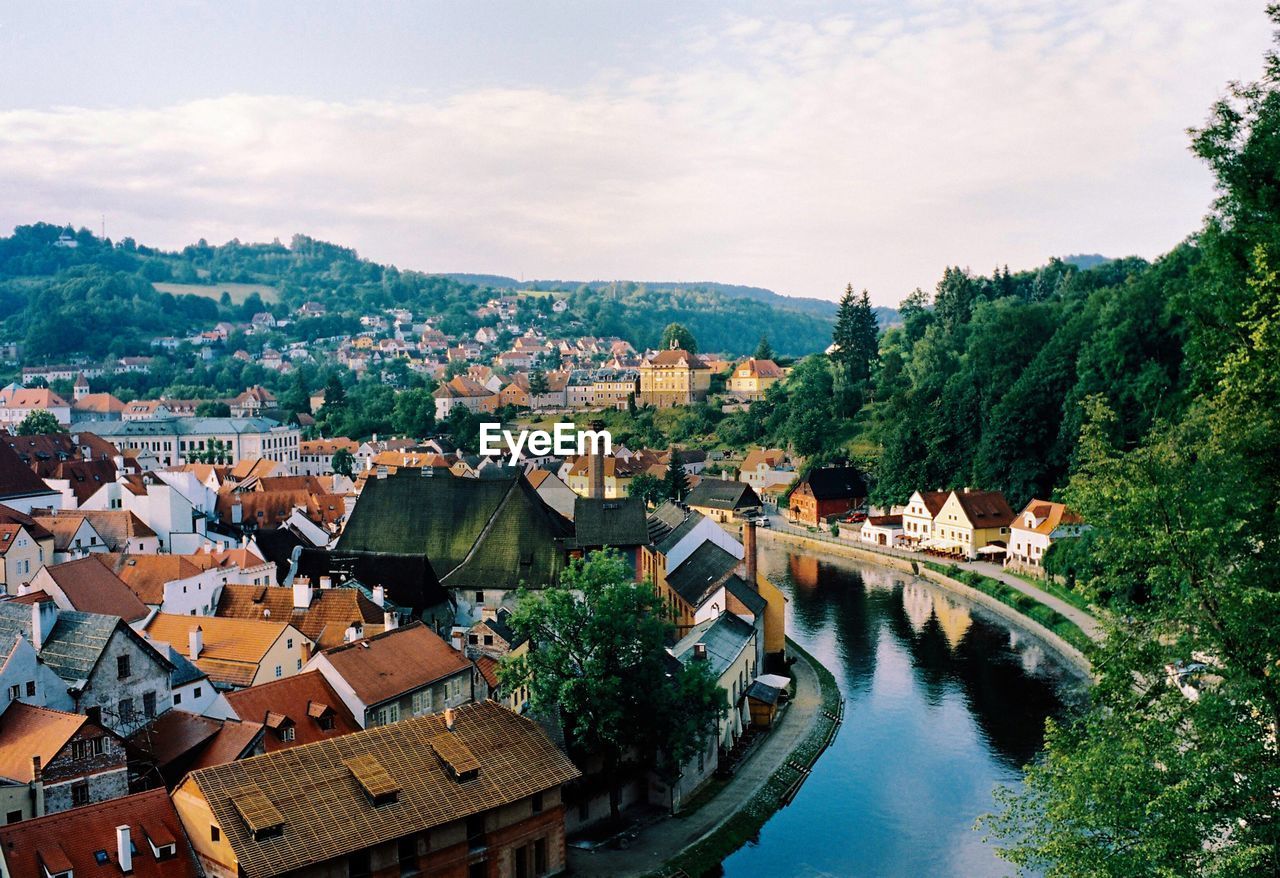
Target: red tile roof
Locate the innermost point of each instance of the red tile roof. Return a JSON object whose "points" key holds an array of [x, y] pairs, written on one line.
{"points": [[92, 588], [72, 840], [395, 662], [303, 699]]}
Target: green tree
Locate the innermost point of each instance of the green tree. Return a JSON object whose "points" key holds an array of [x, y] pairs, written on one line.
{"points": [[646, 487], [213, 409], [677, 335], [415, 412], [39, 422], [675, 484], [343, 463], [538, 383], [335, 395], [464, 427], [600, 663], [764, 351]]}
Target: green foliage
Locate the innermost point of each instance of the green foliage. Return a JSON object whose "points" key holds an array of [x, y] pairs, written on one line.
{"points": [[646, 487], [764, 350], [343, 463], [464, 427], [675, 484], [1149, 782], [678, 336], [38, 422], [213, 410], [600, 663]]}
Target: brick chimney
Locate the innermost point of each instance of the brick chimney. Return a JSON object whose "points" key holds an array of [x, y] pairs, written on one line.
{"points": [[749, 550], [595, 468]]}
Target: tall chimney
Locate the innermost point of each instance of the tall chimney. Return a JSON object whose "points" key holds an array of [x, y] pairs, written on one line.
{"points": [[301, 592], [195, 643], [379, 595], [124, 849], [595, 468], [749, 550], [37, 788]]}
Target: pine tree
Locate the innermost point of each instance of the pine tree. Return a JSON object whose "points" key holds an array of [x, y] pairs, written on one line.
{"points": [[675, 484], [844, 334], [866, 339], [764, 351]]}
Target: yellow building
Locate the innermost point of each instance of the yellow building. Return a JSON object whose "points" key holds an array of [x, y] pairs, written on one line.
{"points": [[972, 520], [617, 477], [673, 377], [235, 653], [752, 378], [21, 555]]}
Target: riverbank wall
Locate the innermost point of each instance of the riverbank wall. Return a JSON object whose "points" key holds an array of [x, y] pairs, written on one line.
{"points": [[1070, 654]]}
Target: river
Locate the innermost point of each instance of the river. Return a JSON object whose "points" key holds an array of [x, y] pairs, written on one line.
{"points": [[943, 702]]}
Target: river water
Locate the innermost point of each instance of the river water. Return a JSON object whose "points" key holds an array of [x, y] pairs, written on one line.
{"points": [[943, 702]]}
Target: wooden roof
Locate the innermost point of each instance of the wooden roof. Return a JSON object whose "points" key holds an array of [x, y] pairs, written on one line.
{"points": [[324, 810]]}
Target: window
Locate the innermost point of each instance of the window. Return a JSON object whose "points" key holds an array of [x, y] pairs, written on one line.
{"points": [[299, 664], [279, 671], [13, 817], [87, 747], [215, 834], [31, 688], [475, 831], [286, 734], [422, 702], [537, 803], [407, 853], [385, 715], [149, 704], [125, 710], [14, 691], [79, 793], [479, 597], [359, 865], [326, 722], [289, 643], [195, 693], [540, 857], [177, 698], [488, 640], [122, 667]]}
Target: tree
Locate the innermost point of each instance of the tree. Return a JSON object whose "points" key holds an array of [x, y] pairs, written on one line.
{"points": [[211, 409], [415, 412], [678, 336], [343, 463], [600, 663], [335, 395], [675, 484], [764, 351], [646, 487], [538, 383], [39, 422], [463, 425]]}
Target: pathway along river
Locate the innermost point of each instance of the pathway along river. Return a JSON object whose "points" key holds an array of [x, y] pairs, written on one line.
{"points": [[943, 702]]}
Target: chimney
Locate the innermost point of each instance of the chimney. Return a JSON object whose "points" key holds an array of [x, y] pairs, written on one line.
{"points": [[124, 849], [595, 468], [488, 614], [301, 592], [700, 651], [326, 582], [379, 595], [44, 615], [458, 639], [37, 787], [195, 643], [448, 718], [749, 550], [389, 621]]}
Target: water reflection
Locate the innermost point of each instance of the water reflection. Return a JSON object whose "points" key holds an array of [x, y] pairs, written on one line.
{"points": [[943, 702]]}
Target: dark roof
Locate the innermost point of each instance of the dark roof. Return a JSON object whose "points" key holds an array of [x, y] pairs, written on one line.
{"points": [[722, 494], [985, 508], [396, 662], [836, 483], [16, 478], [764, 692], [75, 644], [609, 523], [500, 625], [474, 532], [669, 523], [751, 599], [705, 568]]}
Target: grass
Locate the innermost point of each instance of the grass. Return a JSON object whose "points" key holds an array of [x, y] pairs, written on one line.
{"points": [[705, 856], [1023, 603], [238, 292], [1059, 591]]}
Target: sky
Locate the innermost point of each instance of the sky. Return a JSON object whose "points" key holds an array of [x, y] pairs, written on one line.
{"points": [[798, 146]]}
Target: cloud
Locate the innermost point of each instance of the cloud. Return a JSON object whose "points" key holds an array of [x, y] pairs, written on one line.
{"points": [[795, 154]]}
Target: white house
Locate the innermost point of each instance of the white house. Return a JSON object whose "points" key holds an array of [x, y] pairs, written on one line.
{"points": [[920, 511], [1041, 524]]}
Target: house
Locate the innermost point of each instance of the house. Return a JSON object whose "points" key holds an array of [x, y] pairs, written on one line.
{"points": [[600, 523], [252, 402], [17, 402], [87, 585], [827, 491], [1036, 528], [476, 791], [554, 492], [881, 530], [297, 710], [51, 761], [763, 468], [728, 645], [90, 407], [180, 741], [235, 653], [20, 556], [722, 500], [479, 538], [919, 514], [178, 440], [21, 489], [404, 672], [325, 615], [174, 584], [673, 377], [121, 530], [970, 521], [170, 504], [614, 388], [315, 457], [74, 536], [113, 675], [466, 392], [24, 678], [752, 378], [138, 835]]}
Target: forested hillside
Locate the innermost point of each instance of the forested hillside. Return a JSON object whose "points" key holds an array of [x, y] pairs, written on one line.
{"points": [[53, 297]]}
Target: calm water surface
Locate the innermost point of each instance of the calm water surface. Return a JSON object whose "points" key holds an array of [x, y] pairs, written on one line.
{"points": [[943, 701]]}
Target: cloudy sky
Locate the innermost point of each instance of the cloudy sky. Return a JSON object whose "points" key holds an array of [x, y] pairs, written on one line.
{"points": [[796, 146]]}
